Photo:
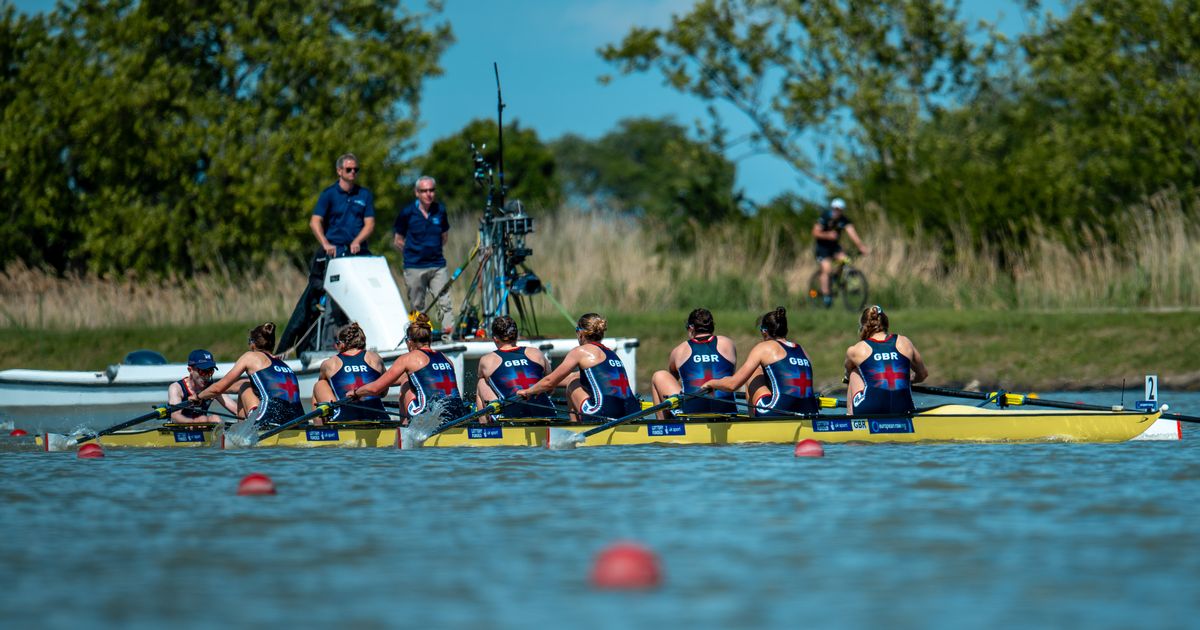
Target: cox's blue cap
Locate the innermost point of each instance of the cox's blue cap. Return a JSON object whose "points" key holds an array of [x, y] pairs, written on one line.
{"points": [[201, 360]]}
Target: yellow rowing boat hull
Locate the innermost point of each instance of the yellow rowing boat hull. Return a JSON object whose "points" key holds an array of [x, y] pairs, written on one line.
{"points": [[946, 423]]}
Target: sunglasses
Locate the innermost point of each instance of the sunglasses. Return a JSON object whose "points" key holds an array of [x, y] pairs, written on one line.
{"points": [[350, 169], [425, 190]]}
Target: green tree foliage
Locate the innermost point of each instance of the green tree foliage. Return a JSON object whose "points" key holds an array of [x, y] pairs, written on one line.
{"points": [[168, 135], [1103, 114], [528, 164], [813, 77], [650, 168]]}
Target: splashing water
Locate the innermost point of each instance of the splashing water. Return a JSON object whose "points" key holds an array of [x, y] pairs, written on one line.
{"points": [[423, 424], [67, 441], [240, 434], [563, 439]]}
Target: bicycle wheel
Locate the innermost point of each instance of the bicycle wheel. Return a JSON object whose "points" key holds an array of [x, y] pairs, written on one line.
{"points": [[814, 290], [854, 289]]}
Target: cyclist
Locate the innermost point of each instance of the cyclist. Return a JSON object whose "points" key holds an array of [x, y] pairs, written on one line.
{"points": [[828, 231]]}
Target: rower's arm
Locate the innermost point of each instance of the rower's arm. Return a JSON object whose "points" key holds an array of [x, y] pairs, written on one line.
{"points": [[549, 381], [743, 374], [380, 386], [212, 391], [920, 372], [174, 397]]}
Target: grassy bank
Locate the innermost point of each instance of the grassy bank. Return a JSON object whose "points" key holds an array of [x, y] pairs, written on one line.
{"points": [[1013, 349]]}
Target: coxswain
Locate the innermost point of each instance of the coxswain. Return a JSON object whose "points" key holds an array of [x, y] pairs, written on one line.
{"points": [[778, 372], [270, 394], [423, 374], [352, 367], [704, 356], [200, 368], [599, 390], [881, 368], [509, 368]]}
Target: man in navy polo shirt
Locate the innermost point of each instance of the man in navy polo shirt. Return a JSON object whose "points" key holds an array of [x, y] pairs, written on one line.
{"points": [[420, 231], [342, 220]]}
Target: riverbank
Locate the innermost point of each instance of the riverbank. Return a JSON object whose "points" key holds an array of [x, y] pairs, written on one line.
{"points": [[1016, 350]]}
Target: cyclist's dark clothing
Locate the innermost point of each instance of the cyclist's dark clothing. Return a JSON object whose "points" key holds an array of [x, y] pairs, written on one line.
{"points": [[828, 249]]}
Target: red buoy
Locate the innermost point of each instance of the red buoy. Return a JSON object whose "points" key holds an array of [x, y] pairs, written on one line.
{"points": [[91, 450], [256, 484], [18, 432], [809, 448], [626, 565]]}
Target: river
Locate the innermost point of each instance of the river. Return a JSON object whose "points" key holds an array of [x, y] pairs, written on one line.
{"points": [[1050, 535]]}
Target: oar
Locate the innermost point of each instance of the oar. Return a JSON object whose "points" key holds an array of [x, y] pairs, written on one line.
{"points": [[158, 414], [417, 431], [1010, 399], [823, 402], [323, 410], [564, 438]]}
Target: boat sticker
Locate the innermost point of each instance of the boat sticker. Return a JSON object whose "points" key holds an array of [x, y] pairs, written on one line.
{"points": [[484, 433], [895, 425], [664, 430], [322, 435], [827, 426], [189, 435]]}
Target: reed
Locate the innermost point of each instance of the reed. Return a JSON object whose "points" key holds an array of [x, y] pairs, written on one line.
{"points": [[596, 261]]}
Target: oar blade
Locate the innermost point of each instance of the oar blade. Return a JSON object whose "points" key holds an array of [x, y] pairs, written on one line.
{"points": [[56, 442], [564, 439], [240, 434]]}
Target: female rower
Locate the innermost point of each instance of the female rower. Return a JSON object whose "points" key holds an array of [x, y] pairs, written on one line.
{"points": [[701, 358], [424, 374], [878, 367], [778, 371], [508, 369], [270, 393], [353, 366], [600, 390]]}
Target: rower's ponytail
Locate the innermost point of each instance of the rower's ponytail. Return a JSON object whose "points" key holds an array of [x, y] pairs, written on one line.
{"points": [[774, 324], [352, 337], [593, 326], [873, 320], [420, 331], [263, 336]]}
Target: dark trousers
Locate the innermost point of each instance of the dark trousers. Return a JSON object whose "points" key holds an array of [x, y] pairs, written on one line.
{"points": [[306, 311]]}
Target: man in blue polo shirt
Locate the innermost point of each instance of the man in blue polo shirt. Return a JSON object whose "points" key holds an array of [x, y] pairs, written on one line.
{"points": [[421, 230], [342, 220]]}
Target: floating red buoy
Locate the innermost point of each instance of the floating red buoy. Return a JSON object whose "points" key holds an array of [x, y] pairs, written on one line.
{"points": [[626, 565], [809, 448], [18, 432], [256, 484], [91, 450]]}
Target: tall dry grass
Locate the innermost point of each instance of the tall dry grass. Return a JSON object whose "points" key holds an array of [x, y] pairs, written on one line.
{"points": [[601, 262]]}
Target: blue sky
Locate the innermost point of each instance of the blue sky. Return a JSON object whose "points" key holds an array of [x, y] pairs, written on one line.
{"points": [[549, 68]]}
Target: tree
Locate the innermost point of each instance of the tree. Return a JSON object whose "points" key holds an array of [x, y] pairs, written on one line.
{"points": [[168, 135], [528, 164], [650, 168], [817, 80]]}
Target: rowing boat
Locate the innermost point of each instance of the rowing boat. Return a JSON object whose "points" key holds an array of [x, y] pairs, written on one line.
{"points": [[939, 424]]}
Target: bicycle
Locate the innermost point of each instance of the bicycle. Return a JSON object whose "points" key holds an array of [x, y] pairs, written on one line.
{"points": [[845, 281]]}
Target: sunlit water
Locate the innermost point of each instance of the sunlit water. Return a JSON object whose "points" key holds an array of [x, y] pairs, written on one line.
{"points": [[1053, 535]]}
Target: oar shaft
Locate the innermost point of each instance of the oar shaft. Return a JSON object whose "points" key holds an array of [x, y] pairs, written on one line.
{"points": [[158, 413], [492, 407], [669, 403], [322, 409]]}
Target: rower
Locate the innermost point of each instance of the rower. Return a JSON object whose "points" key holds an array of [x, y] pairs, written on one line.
{"points": [[353, 366], [881, 368], [509, 368], [701, 358], [600, 389], [200, 367], [777, 373], [270, 393], [423, 374]]}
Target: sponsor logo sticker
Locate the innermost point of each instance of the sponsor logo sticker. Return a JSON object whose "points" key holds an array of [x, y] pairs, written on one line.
{"points": [[664, 430], [189, 435], [321, 435], [897, 425], [484, 433]]}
